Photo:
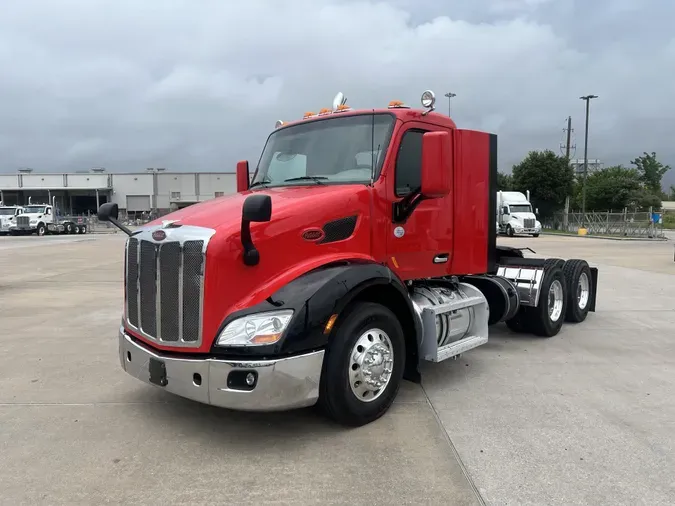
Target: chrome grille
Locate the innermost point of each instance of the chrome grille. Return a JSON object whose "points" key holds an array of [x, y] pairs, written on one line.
{"points": [[23, 221], [528, 222], [165, 283]]}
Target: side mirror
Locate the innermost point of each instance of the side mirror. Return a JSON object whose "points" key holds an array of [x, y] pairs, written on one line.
{"points": [[257, 208], [107, 211], [436, 164], [505, 210], [243, 178], [536, 211]]}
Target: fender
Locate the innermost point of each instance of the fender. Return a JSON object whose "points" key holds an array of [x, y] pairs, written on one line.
{"points": [[315, 297]]}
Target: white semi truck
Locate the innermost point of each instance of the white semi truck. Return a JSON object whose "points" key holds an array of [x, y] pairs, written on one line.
{"points": [[8, 216], [41, 219], [515, 215]]}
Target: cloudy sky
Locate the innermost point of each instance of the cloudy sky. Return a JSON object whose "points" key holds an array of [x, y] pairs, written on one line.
{"points": [[198, 84]]}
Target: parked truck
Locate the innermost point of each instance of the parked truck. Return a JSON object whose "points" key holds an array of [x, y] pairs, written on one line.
{"points": [[41, 219], [515, 214], [362, 246], [8, 216]]}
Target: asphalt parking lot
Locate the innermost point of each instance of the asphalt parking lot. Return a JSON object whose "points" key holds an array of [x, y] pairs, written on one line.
{"points": [[586, 417]]}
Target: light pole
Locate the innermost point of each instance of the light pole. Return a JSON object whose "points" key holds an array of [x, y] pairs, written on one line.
{"points": [[587, 99], [450, 95]]}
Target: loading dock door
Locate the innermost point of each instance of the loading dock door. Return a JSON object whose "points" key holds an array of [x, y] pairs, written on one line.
{"points": [[138, 203]]}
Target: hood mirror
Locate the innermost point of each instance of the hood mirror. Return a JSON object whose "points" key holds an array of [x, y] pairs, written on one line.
{"points": [[257, 208], [110, 212]]}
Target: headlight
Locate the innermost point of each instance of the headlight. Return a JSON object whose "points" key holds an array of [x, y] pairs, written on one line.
{"points": [[33, 222], [255, 329]]}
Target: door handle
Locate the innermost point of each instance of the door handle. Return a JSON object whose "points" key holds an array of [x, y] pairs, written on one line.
{"points": [[441, 258]]}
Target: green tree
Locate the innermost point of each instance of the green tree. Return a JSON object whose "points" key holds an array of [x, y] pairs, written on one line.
{"points": [[504, 181], [672, 192], [610, 188], [549, 178], [651, 172]]}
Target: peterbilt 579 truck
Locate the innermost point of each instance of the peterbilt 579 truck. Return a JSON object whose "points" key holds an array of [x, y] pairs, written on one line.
{"points": [[364, 244]]}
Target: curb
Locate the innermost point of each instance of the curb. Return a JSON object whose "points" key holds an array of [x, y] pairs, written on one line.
{"points": [[638, 239]]}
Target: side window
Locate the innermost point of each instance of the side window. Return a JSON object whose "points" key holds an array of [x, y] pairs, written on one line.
{"points": [[409, 163]]}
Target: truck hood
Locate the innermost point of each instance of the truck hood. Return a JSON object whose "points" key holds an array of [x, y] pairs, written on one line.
{"points": [[285, 251], [524, 216], [223, 214]]}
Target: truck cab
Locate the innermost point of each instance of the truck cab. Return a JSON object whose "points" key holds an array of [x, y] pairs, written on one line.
{"points": [[515, 214], [362, 245], [8, 216], [34, 219]]}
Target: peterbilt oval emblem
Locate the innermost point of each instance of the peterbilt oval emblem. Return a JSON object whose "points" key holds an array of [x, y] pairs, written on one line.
{"points": [[313, 234], [159, 235]]}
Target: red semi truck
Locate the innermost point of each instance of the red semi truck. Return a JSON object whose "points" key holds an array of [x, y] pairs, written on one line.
{"points": [[364, 243]]}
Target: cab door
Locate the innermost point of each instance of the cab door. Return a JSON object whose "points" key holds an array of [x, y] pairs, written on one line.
{"points": [[419, 245]]}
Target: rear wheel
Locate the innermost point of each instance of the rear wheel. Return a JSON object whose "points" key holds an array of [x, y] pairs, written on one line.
{"points": [[363, 366], [579, 290], [547, 317], [68, 228]]}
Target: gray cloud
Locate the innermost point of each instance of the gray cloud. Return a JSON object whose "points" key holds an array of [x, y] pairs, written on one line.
{"points": [[197, 85]]}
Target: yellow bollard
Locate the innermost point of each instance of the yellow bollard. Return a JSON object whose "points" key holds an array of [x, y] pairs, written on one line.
{"points": [[582, 231]]}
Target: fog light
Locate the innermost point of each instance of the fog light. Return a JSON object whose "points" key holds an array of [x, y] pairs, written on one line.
{"points": [[242, 380]]}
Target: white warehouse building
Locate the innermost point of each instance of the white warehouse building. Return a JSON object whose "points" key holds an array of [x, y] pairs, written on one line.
{"points": [[81, 193]]}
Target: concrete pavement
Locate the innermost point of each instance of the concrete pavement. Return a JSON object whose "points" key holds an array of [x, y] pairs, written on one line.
{"points": [[585, 417]]}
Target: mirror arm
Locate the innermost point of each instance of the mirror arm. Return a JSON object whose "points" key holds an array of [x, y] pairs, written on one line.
{"points": [[120, 226], [402, 209], [251, 254]]}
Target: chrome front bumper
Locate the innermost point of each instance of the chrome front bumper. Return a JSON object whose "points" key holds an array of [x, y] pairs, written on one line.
{"points": [[281, 384]]}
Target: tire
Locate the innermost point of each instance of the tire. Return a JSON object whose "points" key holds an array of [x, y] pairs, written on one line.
{"points": [[509, 231], [337, 397], [77, 229], [519, 323], [579, 290], [68, 228], [553, 289], [535, 235], [41, 229], [83, 229]]}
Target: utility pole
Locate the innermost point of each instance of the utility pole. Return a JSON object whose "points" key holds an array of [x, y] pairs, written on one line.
{"points": [[450, 95], [587, 99], [569, 138]]}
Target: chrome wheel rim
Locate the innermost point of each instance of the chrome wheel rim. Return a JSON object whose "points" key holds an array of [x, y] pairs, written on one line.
{"points": [[371, 363], [555, 300], [583, 290]]}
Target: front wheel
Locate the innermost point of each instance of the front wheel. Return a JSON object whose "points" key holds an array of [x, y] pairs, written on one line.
{"points": [[509, 231], [535, 235], [41, 229], [363, 366]]}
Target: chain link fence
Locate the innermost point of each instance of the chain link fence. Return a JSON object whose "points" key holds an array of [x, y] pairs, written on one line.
{"points": [[638, 224]]}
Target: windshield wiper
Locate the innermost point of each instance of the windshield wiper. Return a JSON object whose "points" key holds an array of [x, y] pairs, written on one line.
{"points": [[316, 179], [260, 183]]}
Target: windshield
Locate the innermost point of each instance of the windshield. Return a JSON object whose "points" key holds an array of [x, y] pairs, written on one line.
{"points": [[34, 210], [7, 211], [347, 149], [520, 208]]}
